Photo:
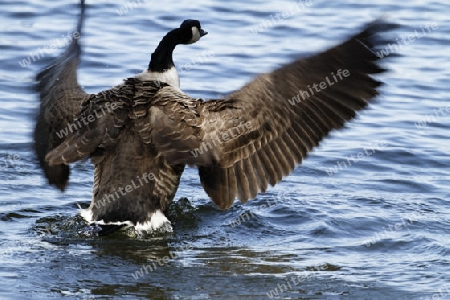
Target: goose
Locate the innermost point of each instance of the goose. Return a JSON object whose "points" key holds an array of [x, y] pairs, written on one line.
{"points": [[140, 134]]}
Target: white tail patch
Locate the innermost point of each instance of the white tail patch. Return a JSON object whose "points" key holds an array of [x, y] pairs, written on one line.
{"points": [[86, 214], [157, 221]]}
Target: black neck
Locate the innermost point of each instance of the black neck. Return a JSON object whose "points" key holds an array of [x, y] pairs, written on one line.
{"points": [[162, 57]]}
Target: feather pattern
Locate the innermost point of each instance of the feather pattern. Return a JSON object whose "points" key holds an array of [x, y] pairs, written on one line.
{"points": [[240, 144]]}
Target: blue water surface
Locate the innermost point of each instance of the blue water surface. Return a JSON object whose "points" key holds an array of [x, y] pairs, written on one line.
{"points": [[376, 228]]}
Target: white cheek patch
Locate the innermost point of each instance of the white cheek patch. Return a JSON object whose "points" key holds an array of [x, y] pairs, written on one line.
{"points": [[195, 35]]}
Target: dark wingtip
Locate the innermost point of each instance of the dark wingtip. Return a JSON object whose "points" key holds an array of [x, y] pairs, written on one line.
{"points": [[82, 17], [376, 34], [73, 49], [57, 175], [60, 185]]}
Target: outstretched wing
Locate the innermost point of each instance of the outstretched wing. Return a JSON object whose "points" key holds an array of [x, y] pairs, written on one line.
{"points": [[60, 98], [258, 134]]}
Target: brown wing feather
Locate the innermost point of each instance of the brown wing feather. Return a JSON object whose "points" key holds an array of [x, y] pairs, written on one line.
{"points": [[172, 122], [281, 133], [102, 118], [60, 98]]}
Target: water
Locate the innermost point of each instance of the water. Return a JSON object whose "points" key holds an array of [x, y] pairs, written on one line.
{"points": [[377, 229]]}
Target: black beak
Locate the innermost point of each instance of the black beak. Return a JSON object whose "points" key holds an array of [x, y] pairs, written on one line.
{"points": [[203, 33]]}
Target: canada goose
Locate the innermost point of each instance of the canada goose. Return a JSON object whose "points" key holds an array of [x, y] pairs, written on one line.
{"points": [[140, 134]]}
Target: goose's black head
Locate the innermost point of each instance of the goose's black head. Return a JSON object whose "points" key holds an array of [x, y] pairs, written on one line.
{"points": [[189, 32]]}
